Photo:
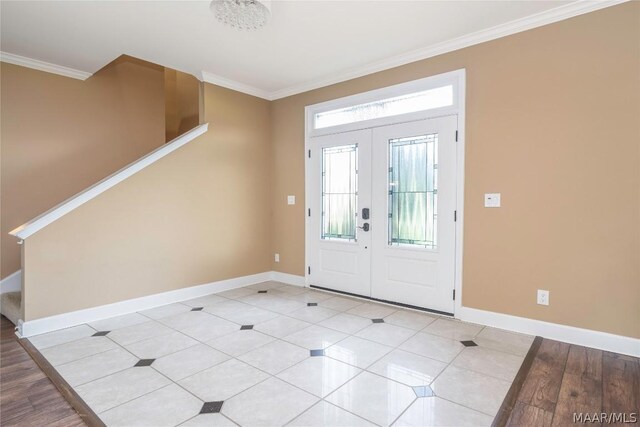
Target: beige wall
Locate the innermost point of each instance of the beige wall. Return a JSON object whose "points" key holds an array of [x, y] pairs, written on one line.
{"points": [[181, 103], [553, 124], [196, 216], [60, 135]]}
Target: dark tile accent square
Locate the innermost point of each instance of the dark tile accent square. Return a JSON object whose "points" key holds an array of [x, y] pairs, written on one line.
{"points": [[315, 353], [262, 292], [312, 304], [100, 333], [468, 343], [377, 320], [211, 407], [246, 327], [423, 391], [197, 308], [144, 362]]}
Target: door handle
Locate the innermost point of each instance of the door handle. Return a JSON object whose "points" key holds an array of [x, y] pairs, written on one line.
{"points": [[365, 227]]}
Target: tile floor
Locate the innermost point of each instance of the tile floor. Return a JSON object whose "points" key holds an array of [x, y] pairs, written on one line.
{"points": [[272, 354]]}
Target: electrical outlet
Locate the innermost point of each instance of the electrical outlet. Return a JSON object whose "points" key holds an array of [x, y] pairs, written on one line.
{"points": [[291, 200], [277, 257], [543, 297]]}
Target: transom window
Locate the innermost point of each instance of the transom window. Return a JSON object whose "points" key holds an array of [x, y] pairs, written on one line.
{"points": [[394, 106], [413, 191]]}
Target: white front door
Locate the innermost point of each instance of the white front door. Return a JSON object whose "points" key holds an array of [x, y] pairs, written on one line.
{"points": [[340, 185], [381, 212], [414, 185]]}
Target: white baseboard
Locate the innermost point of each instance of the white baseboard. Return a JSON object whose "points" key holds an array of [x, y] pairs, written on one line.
{"points": [[289, 279], [570, 334], [555, 331], [66, 320], [11, 283]]}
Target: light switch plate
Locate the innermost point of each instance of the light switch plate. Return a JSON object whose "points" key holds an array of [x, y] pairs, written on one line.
{"points": [[276, 257], [291, 200], [492, 200]]}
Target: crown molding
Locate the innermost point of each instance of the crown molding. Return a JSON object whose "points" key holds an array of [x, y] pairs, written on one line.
{"points": [[48, 67], [235, 85], [550, 16]]}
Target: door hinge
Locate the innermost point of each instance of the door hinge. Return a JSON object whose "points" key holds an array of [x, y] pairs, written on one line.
{"points": [[310, 152], [308, 270], [309, 212], [455, 216], [454, 294], [456, 136]]}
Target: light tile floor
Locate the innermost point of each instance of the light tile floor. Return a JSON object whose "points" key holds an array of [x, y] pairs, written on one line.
{"points": [[272, 354]]}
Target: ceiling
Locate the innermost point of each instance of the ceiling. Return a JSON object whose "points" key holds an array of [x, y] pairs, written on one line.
{"points": [[306, 44]]}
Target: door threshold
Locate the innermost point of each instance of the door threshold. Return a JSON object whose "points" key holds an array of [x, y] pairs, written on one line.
{"points": [[399, 304]]}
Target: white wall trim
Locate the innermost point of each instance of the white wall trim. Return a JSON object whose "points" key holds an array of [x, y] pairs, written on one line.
{"points": [[569, 334], [460, 189], [48, 67], [66, 320], [11, 283], [81, 198], [235, 85], [289, 279], [550, 16]]}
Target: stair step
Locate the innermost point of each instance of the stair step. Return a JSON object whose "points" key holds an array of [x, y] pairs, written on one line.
{"points": [[10, 306]]}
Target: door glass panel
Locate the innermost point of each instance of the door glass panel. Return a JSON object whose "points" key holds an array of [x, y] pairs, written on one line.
{"points": [[413, 191], [339, 192]]}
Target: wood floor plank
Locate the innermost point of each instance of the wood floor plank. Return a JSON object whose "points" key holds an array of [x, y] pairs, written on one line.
{"points": [[527, 415], [620, 356], [7, 331], [542, 385], [19, 374], [51, 416], [581, 389], [584, 361], [565, 379], [620, 384], [14, 410]]}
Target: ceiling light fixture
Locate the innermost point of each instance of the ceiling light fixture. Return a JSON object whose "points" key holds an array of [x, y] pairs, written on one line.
{"points": [[242, 14]]}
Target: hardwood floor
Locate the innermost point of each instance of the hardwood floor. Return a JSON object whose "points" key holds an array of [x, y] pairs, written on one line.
{"points": [[559, 380], [28, 397]]}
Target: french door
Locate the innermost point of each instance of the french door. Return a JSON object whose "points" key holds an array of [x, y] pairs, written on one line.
{"points": [[381, 212]]}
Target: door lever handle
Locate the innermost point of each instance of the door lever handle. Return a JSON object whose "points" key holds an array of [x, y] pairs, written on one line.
{"points": [[365, 226]]}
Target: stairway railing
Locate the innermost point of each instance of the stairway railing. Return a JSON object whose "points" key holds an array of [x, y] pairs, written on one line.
{"points": [[81, 198]]}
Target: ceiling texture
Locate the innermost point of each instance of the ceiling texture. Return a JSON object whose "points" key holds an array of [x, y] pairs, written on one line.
{"points": [[305, 45]]}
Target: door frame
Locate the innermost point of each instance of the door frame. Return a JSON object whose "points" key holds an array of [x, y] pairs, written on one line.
{"points": [[455, 78]]}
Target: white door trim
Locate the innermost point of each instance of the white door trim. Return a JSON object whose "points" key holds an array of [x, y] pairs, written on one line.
{"points": [[458, 79]]}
